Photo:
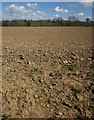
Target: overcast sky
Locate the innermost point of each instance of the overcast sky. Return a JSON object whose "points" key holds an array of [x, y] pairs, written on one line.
{"points": [[45, 10]]}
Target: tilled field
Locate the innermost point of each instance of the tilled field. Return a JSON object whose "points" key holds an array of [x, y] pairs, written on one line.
{"points": [[48, 72]]}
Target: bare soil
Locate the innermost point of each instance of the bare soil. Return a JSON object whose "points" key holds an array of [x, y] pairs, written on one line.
{"points": [[47, 72]]}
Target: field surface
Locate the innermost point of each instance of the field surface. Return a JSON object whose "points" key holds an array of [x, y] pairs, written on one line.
{"points": [[47, 72]]}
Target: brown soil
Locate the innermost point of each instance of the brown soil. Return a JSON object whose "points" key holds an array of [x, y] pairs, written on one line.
{"points": [[48, 72]]}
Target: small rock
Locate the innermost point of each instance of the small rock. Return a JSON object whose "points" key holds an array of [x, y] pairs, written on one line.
{"points": [[1, 54], [60, 113], [29, 62], [35, 96], [60, 58], [48, 106], [15, 59], [73, 57], [76, 73], [50, 86], [11, 52], [88, 114], [51, 74], [54, 84], [82, 59], [65, 62], [90, 59], [7, 50], [44, 54], [46, 91], [66, 104], [6, 47], [21, 57], [41, 81], [19, 61]]}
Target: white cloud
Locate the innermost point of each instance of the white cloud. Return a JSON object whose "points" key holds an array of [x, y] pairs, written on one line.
{"points": [[87, 3], [58, 9], [81, 14], [56, 16], [38, 15], [15, 8], [20, 12], [66, 10], [32, 5], [89, 17]]}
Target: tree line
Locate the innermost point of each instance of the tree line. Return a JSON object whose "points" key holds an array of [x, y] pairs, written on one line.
{"points": [[72, 21]]}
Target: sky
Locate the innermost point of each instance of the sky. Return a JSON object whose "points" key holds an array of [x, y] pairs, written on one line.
{"points": [[47, 0], [45, 10]]}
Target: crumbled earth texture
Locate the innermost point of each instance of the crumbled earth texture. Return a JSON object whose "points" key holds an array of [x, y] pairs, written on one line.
{"points": [[47, 72], [0, 71]]}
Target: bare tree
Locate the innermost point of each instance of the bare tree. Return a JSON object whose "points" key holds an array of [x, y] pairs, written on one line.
{"points": [[87, 20]]}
